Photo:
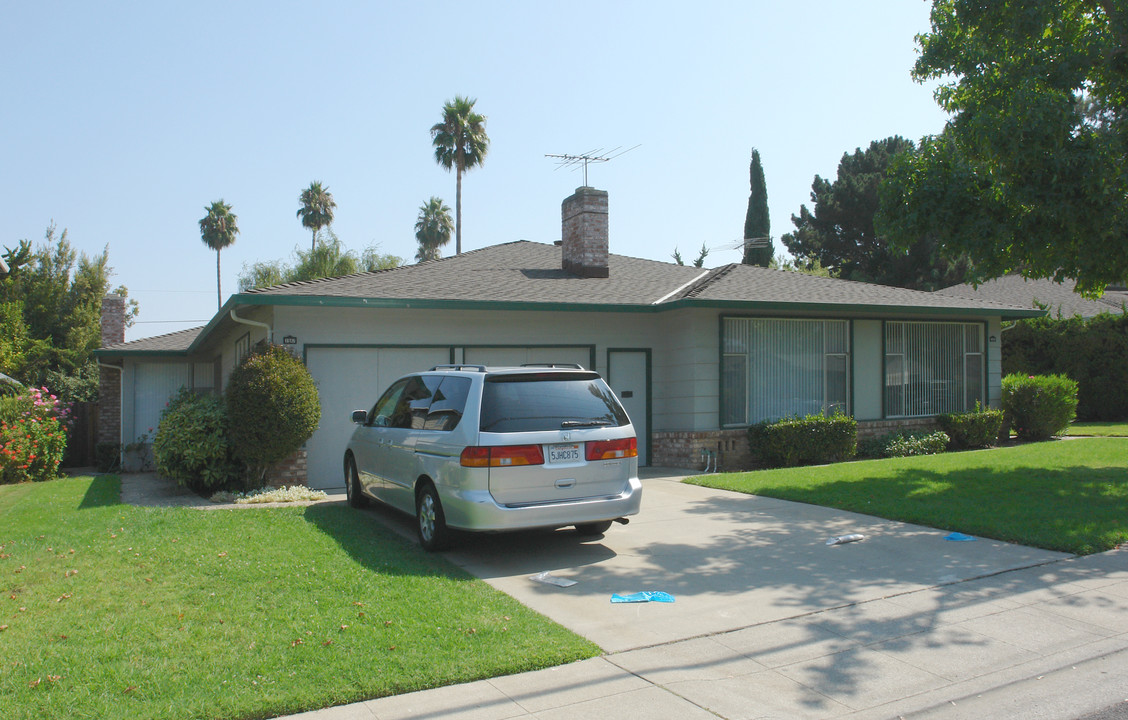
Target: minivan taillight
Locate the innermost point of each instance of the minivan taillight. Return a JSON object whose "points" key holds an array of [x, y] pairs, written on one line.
{"points": [[612, 449], [502, 456]]}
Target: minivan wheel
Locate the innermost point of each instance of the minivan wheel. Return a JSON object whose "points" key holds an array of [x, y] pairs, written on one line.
{"points": [[595, 528], [352, 485], [429, 519]]}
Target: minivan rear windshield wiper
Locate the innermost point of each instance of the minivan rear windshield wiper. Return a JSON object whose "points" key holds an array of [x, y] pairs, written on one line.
{"points": [[585, 423]]}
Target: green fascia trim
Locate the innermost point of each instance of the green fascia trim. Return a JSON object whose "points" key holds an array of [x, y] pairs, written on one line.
{"points": [[524, 305]]}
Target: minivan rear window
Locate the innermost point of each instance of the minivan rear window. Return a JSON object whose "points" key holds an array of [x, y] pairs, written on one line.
{"points": [[531, 403]]}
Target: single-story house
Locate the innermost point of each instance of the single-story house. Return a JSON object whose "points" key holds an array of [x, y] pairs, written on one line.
{"points": [[1058, 298], [696, 355]]}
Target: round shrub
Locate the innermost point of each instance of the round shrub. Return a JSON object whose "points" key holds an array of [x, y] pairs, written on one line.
{"points": [[273, 407], [1038, 407], [192, 444]]}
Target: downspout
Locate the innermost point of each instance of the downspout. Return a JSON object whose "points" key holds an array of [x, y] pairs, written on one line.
{"points": [[121, 408], [255, 323]]}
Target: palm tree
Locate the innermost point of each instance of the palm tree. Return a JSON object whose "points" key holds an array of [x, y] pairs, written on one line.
{"points": [[316, 211], [461, 143], [218, 230], [432, 229]]}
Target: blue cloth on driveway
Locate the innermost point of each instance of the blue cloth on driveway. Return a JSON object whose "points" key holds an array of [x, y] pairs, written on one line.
{"points": [[641, 597], [959, 537]]}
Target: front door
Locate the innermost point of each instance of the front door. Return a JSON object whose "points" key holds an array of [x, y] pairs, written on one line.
{"points": [[628, 374]]}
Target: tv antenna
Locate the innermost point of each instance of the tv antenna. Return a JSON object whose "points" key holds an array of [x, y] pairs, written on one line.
{"points": [[592, 156]]}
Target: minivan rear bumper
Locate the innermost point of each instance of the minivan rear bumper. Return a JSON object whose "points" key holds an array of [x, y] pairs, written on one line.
{"points": [[476, 510]]}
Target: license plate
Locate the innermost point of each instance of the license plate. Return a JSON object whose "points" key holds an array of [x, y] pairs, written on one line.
{"points": [[563, 453]]}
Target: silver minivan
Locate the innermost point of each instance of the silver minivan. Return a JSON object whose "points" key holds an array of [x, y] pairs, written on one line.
{"points": [[468, 447]]}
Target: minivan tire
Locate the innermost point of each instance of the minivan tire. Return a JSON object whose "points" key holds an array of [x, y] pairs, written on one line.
{"points": [[355, 497], [429, 519]]}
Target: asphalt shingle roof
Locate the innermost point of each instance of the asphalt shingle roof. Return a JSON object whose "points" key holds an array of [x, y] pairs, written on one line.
{"points": [[1018, 291], [529, 274], [520, 271], [178, 341]]}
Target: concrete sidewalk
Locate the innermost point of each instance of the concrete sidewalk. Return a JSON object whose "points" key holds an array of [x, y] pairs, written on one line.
{"points": [[771, 622]]}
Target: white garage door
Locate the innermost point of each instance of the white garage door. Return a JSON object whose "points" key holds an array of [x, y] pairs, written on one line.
{"points": [[499, 356], [352, 379]]}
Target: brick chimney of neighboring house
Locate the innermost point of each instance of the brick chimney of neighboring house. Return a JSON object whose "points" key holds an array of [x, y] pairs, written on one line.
{"points": [[584, 220], [109, 381]]}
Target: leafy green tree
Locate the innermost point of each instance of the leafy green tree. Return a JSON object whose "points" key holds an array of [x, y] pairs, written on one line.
{"points": [[433, 229], [218, 230], [328, 258], [50, 308], [757, 222], [317, 209], [1030, 174], [841, 237], [371, 259], [460, 143]]}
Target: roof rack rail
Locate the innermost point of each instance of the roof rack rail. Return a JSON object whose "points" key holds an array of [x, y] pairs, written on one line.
{"points": [[570, 366], [461, 366]]}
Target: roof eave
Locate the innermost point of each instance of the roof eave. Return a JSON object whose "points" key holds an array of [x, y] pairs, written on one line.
{"points": [[242, 299]]}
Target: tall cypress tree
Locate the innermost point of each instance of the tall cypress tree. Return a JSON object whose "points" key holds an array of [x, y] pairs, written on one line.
{"points": [[757, 224]]}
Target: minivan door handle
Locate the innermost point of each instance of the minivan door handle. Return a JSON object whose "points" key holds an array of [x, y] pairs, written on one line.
{"points": [[566, 483]]}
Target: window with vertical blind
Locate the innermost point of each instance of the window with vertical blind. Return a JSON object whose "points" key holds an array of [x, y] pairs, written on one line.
{"points": [[933, 367], [774, 367]]}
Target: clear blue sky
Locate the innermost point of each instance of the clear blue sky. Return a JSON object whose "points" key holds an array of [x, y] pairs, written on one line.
{"points": [[122, 121]]}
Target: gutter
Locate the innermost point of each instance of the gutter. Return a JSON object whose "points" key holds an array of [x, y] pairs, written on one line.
{"points": [[255, 323]]}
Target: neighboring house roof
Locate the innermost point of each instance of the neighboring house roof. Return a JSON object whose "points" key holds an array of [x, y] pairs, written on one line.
{"points": [[528, 276], [177, 342], [1058, 297]]}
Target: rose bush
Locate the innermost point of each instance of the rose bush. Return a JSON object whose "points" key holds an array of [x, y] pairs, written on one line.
{"points": [[33, 436]]}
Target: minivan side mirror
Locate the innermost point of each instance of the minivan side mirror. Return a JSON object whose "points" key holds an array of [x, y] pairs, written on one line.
{"points": [[360, 416]]}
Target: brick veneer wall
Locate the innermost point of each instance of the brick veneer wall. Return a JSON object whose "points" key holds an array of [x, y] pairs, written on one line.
{"points": [[684, 449], [291, 471], [108, 420], [877, 428]]}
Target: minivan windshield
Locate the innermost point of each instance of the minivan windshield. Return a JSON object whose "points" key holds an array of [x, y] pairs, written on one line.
{"points": [[530, 403]]}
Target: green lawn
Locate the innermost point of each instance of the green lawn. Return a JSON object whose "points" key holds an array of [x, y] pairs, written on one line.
{"points": [[1068, 495], [114, 611], [1099, 429]]}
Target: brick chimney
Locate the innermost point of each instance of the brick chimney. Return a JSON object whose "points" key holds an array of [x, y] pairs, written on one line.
{"points": [[113, 320], [108, 422], [584, 220]]}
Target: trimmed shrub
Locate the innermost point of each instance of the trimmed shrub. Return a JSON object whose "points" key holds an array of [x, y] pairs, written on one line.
{"points": [[191, 445], [273, 407], [812, 440], [978, 428], [1038, 407], [32, 436]]}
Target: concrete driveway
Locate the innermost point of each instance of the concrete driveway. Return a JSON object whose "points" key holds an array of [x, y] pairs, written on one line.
{"points": [[730, 560], [771, 622]]}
